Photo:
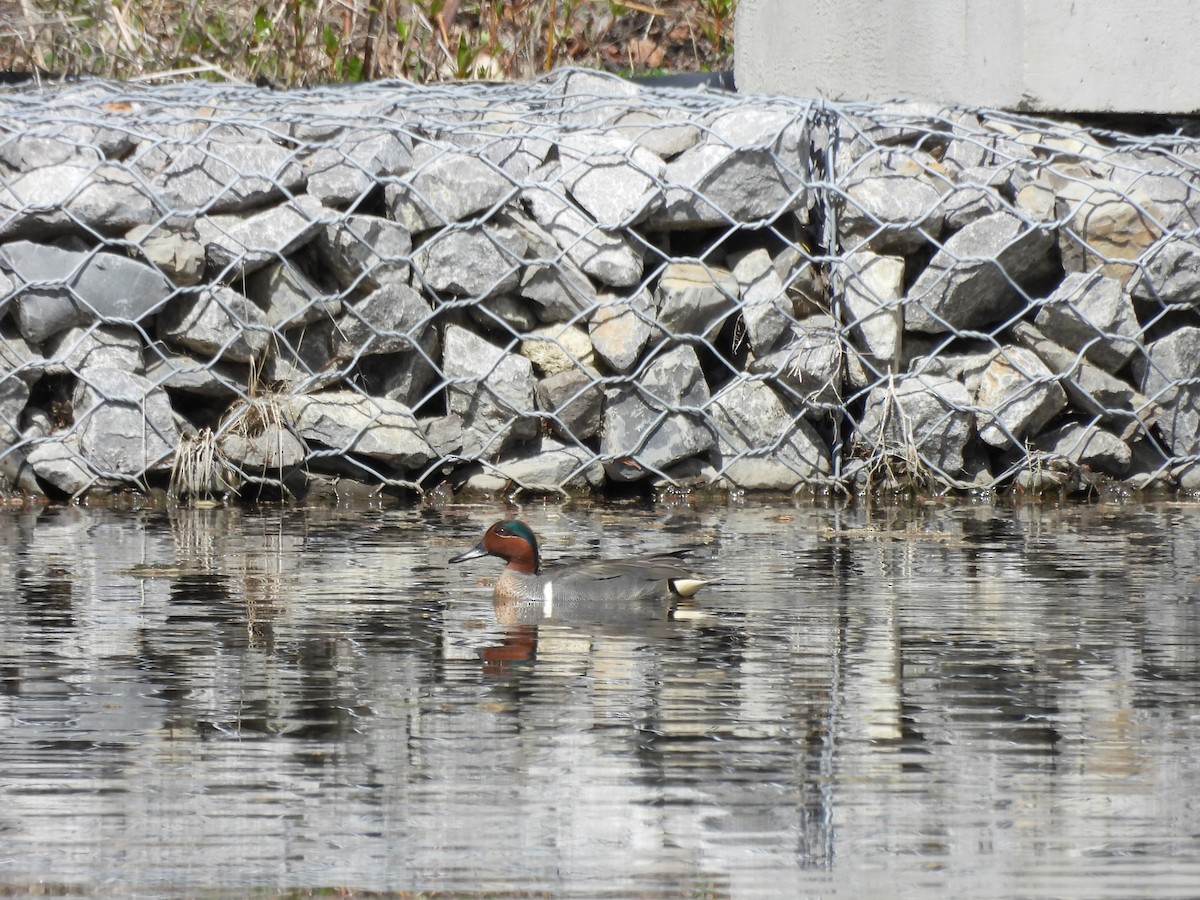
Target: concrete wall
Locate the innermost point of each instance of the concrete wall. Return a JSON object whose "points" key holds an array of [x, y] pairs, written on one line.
{"points": [[1045, 55]]}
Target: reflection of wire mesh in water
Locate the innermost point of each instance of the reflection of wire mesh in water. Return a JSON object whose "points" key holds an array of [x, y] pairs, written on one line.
{"points": [[574, 283]]}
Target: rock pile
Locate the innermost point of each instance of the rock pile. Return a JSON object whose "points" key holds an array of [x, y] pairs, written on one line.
{"points": [[581, 282]]}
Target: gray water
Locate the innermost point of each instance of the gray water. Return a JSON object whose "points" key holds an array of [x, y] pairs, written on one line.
{"points": [[970, 700]]}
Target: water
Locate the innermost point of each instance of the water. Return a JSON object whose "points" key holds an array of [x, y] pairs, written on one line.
{"points": [[970, 700]]}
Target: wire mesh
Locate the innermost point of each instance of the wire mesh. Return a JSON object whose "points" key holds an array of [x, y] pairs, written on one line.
{"points": [[578, 283]]}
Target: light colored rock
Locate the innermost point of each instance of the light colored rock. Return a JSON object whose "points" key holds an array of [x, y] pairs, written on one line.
{"points": [[61, 464], [446, 186], [890, 205], [219, 322], [969, 282], [218, 380], [57, 198], [615, 181], [174, 251], [620, 329], [107, 346], [695, 299], [235, 246], [390, 320], [289, 298], [491, 389], [1016, 397], [557, 286], [544, 465], [1086, 445], [1168, 377], [639, 422], [348, 422], [125, 424], [479, 262], [1103, 227], [557, 348], [345, 173], [1169, 273], [765, 305], [810, 366], [1094, 314], [364, 253], [873, 293], [575, 400], [216, 176], [926, 414]]}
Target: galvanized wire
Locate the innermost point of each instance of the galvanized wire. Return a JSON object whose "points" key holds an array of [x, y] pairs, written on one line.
{"points": [[579, 283]]}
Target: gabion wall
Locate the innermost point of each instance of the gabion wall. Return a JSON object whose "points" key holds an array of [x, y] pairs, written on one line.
{"points": [[577, 283]]}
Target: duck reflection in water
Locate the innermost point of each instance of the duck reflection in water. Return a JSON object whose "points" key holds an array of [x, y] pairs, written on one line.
{"points": [[606, 591]]}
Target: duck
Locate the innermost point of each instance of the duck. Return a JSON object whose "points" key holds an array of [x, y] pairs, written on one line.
{"points": [[650, 578]]}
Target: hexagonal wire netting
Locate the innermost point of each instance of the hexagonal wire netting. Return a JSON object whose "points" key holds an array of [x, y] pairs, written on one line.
{"points": [[579, 282]]}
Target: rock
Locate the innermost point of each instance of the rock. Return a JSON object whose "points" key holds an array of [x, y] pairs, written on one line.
{"points": [[105, 346], [217, 321], [1167, 376], [78, 144], [175, 251], [505, 316], [289, 298], [364, 253], [1086, 445], [53, 199], [214, 176], [763, 445], [620, 328], [446, 186], [542, 466], [810, 366], [558, 288], [61, 464], [639, 421], [125, 424], [390, 320], [235, 246], [1016, 397], [695, 299], [874, 288], [557, 348], [256, 439], [1093, 314], [1103, 227], [479, 262], [765, 306], [14, 395], [1169, 273], [616, 182], [348, 422], [574, 399], [890, 206], [179, 372], [345, 174], [928, 414], [78, 288], [969, 282], [491, 389], [607, 256], [664, 132]]}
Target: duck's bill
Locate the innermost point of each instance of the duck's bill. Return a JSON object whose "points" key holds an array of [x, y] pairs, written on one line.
{"points": [[474, 553]]}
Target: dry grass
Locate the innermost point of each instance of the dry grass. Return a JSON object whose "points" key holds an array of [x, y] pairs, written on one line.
{"points": [[302, 42]]}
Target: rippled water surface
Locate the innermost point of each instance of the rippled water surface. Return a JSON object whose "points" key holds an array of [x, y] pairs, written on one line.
{"points": [[974, 700]]}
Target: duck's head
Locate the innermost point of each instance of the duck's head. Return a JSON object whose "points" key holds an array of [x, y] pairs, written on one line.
{"points": [[513, 541]]}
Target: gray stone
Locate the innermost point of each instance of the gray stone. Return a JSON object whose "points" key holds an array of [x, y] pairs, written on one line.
{"points": [[968, 202], [107, 346], [715, 185], [235, 246], [762, 444], [1094, 314], [694, 298], [348, 422], [1086, 445], [925, 414], [255, 437], [175, 251], [557, 348], [214, 176], [389, 320], [541, 466], [16, 356], [1168, 377], [479, 262], [810, 367], [1169, 273], [76, 144], [68, 197], [1102, 227], [664, 132], [556, 285], [505, 315], [78, 287], [303, 359], [491, 389], [873, 292], [345, 173], [890, 206], [289, 298], [179, 372], [969, 282], [217, 321], [620, 329], [1016, 397], [616, 182], [61, 464], [446, 186], [639, 421], [125, 423], [364, 253], [607, 256], [14, 395], [765, 305], [575, 400]]}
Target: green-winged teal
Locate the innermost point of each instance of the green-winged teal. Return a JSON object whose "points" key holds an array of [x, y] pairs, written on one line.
{"points": [[639, 579]]}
